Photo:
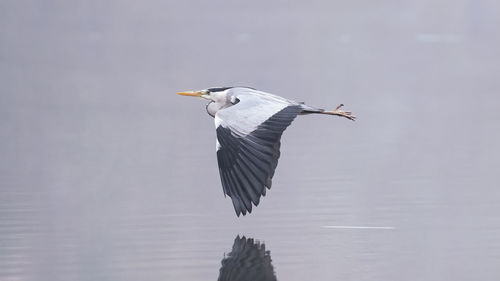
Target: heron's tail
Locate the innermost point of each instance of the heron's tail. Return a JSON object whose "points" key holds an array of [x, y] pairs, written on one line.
{"points": [[306, 109]]}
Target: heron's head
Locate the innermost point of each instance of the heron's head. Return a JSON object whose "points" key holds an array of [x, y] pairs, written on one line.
{"points": [[212, 94]]}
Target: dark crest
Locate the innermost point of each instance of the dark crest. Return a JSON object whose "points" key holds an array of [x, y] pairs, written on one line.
{"points": [[220, 89]]}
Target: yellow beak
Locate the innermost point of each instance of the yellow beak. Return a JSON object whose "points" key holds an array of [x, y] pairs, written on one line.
{"points": [[191, 93]]}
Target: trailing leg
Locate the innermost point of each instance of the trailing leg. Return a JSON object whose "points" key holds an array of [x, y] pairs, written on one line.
{"points": [[338, 112]]}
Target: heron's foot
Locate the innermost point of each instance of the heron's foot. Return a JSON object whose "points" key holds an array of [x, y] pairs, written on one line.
{"points": [[339, 112]]}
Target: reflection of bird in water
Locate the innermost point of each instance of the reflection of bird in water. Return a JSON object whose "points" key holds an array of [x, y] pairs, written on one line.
{"points": [[248, 261], [249, 124]]}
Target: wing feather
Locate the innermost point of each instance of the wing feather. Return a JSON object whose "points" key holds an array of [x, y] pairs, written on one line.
{"points": [[249, 150]]}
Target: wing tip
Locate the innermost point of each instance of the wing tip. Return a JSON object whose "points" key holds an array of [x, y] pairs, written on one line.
{"points": [[240, 209]]}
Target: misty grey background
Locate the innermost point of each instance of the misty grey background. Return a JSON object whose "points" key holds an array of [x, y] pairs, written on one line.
{"points": [[106, 174]]}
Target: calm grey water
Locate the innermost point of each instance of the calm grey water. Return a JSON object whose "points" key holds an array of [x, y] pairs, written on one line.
{"points": [[106, 174]]}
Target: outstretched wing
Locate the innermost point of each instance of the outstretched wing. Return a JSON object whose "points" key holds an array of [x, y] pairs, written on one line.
{"points": [[248, 143]]}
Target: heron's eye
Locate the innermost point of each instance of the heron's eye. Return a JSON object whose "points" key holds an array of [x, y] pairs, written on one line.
{"points": [[234, 100]]}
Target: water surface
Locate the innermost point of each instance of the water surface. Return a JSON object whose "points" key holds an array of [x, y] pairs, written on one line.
{"points": [[106, 174]]}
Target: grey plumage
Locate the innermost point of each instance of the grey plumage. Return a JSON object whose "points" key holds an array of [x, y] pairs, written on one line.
{"points": [[249, 124], [247, 162]]}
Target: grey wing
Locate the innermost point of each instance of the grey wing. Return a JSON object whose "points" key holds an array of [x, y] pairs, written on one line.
{"points": [[248, 156]]}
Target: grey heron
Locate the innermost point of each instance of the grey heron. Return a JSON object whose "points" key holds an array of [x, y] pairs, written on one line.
{"points": [[249, 124]]}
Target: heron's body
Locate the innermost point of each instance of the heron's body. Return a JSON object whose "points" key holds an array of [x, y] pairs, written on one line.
{"points": [[249, 124]]}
